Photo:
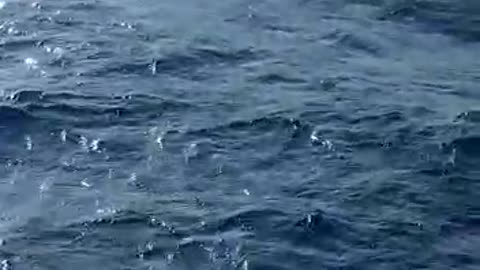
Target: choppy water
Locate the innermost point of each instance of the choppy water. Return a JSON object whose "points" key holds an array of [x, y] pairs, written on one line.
{"points": [[301, 134]]}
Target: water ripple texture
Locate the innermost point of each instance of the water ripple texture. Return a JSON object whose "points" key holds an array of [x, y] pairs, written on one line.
{"points": [[218, 135]]}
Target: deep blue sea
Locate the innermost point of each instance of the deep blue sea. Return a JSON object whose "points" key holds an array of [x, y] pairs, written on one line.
{"points": [[239, 134]]}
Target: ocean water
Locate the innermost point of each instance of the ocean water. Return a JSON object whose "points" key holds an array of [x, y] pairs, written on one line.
{"points": [[195, 134]]}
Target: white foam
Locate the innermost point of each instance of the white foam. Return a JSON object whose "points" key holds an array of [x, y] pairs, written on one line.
{"points": [[159, 141], [190, 152], [314, 137], [31, 63], [5, 265], [94, 145], [28, 143], [84, 143], [132, 178], [59, 52], [45, 185], [84, 183], [63, 136], [245, 265]]}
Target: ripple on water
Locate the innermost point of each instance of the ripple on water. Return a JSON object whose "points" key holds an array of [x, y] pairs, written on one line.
{"points": [[459, 21], [298, 135], [472, 116], [24, 96], [178, 64], [68, 108], [10, 114]]}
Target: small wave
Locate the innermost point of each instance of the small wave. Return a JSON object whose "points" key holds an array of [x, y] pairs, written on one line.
{"points": [[13, 114], [26, 96], [320, 222], [462, 222], [355, 42], [468, 145], [22, 43], [447, 17], [281, 28], [177, 64], [274, 78], [465, 155], [249, 220], [120, 218], [79, 108], [310, 230], [101, 55], [191, 253], [85, 6], [387, 118], [472, 116], [67, 21], [260, 124]]}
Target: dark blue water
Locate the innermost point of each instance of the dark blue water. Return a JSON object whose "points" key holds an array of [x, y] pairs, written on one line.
{"points": [[195, 134]]}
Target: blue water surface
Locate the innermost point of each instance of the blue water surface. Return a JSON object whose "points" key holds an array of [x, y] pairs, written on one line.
{"points": [[272, 135]]}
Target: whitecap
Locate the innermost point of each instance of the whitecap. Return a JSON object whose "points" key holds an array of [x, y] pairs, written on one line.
{"points": [[59, 52], [94, 145], [132, 178], [327, 144], [190, 152], [84, 183], [245, 265], [46, 185], [170, 257], [159, 141], [5, 265], [153, 67], [28, 143], [314, 137], [63, 136], [31, 63], [84, 143]]}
